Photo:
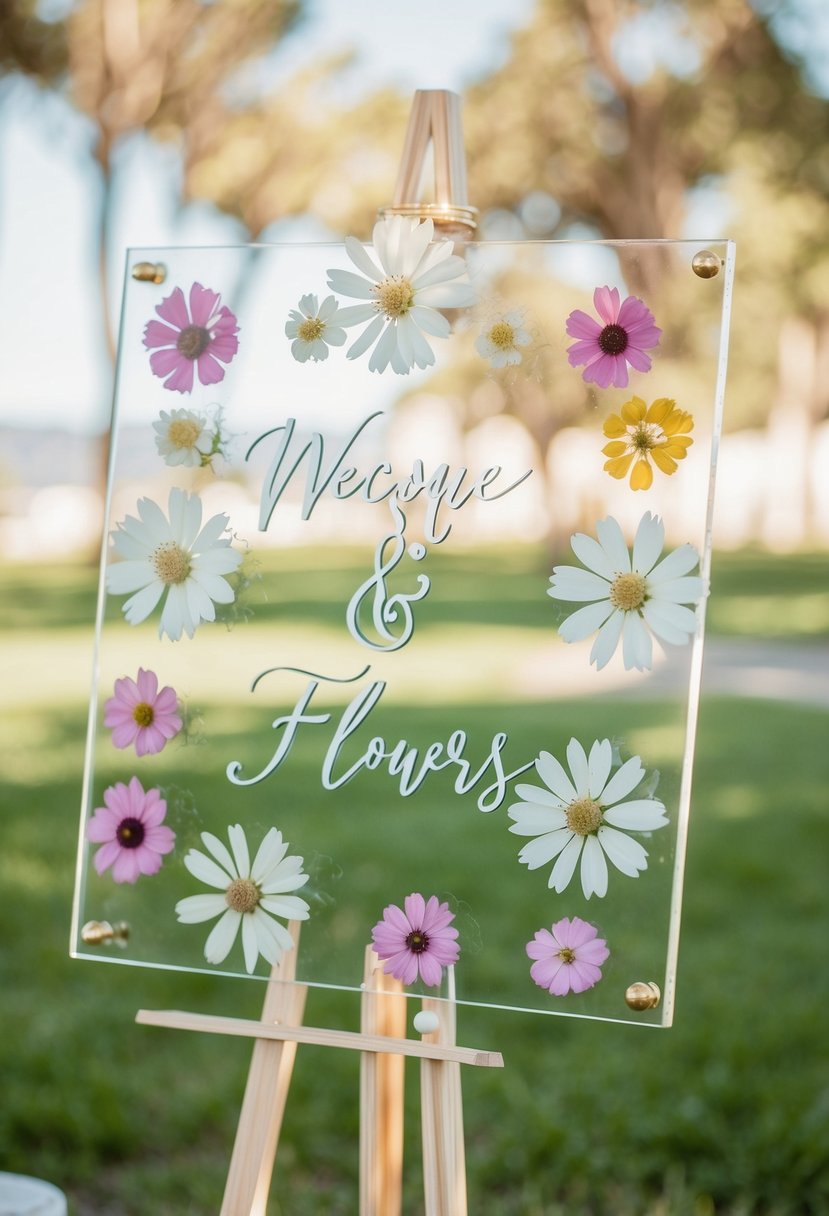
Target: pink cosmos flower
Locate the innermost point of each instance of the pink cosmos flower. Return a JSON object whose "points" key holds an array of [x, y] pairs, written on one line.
{"points": [[130, 830], [570, 956], [625, 332], [140, 714], [199, 338], [419, 942]]}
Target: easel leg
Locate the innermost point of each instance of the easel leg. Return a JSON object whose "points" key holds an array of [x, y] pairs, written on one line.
{"points": [[441, 1105], [260, 1121], [383, 1011]]}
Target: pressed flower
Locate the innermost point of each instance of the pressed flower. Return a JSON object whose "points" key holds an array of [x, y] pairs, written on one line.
{"points": [[185, 438], [412, 277], [584, 814], [624, 332], [250, 897], [628, 595], [175, 558], [199, 339], [569, 956], [418, 940], [131, 831], [142, 714], [641, 434], [314, 328], [500, 340]]}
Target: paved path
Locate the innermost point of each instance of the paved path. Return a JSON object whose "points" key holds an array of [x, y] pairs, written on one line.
{"points": [[738, 667], [784, 671]]}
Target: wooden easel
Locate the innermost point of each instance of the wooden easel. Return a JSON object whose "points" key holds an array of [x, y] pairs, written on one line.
{"points": [[435, 119], [383, 1045]]}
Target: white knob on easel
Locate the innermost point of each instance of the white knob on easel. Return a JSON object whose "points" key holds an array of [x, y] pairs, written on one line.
{"points": [[426, 1022]]}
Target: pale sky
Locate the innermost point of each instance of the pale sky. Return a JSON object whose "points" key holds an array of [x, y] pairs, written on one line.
{"points": [[54, 369]]}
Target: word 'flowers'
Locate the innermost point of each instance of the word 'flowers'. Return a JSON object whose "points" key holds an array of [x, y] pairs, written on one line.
{"points": [[583, 816], [249, 897], [624, 332], [142, 714], [629, 593], [131, 831], [175, 558], [569, 956], [199, 339], [641, 435], [417, 942], [403, 289]]}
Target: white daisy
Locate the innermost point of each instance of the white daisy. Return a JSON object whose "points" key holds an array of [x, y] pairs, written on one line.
{"points": [[251, 896], [500, 339], [402, 294], [578, 815], [184, 438], [629, 594], [176, 556], [314, 328]]}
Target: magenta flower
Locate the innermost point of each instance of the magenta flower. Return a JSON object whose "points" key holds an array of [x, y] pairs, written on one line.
{"points": [[130, 830], [570, 956], [200, 337], [626, 331], [419, 942], [140, 714]]}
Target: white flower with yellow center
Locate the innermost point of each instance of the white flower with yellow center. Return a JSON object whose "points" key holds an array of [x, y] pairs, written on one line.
{"points": [[314, 327], [175, 558], [579, 816], [184, 438], [629, 595], [501, 338], [250, 896], [413, 277]]}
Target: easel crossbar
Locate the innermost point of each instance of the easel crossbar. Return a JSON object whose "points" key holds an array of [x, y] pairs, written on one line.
{"points": [[175, 1019]]}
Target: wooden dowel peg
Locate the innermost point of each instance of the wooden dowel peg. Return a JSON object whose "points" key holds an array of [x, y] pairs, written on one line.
{"points": [[444, 1158], [266, 1092], [382, 1012]]}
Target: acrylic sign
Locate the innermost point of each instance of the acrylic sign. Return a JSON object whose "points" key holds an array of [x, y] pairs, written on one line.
{"points": [[400, 617]]}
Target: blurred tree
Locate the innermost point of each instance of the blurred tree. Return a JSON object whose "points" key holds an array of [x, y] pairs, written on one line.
{"points": [[294, 152], [163, 66], [28, 44], [616, 108], [635, 104]]}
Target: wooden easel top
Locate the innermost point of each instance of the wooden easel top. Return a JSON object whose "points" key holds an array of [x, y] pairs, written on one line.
{"points": [[435, 119]]}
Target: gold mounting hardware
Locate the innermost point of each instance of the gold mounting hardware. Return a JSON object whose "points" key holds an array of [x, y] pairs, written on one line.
{"points": [[705, 264], [149, 272], [641, 996], [102, 933]]}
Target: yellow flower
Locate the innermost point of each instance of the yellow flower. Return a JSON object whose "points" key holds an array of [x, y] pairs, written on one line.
{"points": [[640, 434]]}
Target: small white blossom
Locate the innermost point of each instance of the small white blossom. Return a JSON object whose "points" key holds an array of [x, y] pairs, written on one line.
{"points": [[314, 327], [413, 277], [252, 896], [628, 594], [577, 815], [501, 338]]}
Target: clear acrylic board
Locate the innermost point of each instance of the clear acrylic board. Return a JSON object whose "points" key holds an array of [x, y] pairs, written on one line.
{"points": [[401, 613]]}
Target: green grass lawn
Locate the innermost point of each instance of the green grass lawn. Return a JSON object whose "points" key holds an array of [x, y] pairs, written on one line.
{"points": [[728, 1112]]}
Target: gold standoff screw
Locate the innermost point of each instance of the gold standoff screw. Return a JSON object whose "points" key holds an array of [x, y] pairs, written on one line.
{"points": [[102, 933], [149, 272], [705, 264], [641, 996]]}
